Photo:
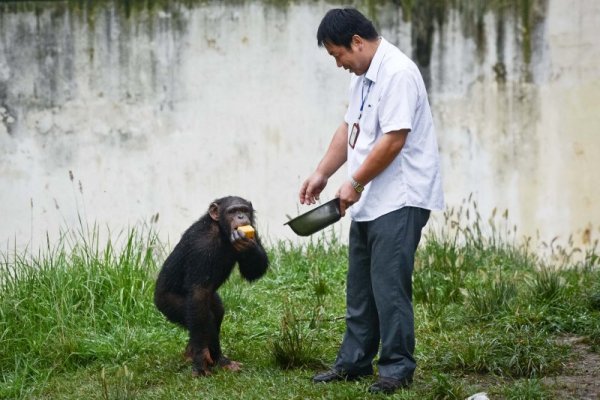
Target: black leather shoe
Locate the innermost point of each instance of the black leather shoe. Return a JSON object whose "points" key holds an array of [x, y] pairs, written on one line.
{"points": [[389, 385], [332, 376]]}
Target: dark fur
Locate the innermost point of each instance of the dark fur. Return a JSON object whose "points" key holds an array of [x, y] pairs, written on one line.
{"points": [[186, 288]]}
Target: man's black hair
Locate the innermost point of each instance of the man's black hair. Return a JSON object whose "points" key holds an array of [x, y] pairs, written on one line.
{"points": [[340, 24]]}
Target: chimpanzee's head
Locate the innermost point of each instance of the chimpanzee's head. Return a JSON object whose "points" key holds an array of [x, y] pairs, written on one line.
{"points": [[231, 212]]}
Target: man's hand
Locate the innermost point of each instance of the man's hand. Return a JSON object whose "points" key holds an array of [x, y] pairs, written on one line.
{"points": [[347, 195], [334, 158], [312, 188]]}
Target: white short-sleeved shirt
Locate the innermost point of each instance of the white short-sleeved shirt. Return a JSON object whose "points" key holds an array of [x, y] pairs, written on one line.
{"points": [[396, 99]]}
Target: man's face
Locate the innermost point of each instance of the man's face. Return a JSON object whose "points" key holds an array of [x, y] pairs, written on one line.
{"points": [[349, 59]]}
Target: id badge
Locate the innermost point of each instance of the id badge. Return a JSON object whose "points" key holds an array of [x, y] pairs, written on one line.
{"points": [[354, 135]]}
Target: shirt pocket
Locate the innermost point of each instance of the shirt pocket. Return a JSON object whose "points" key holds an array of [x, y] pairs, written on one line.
{"points": [[369, 122]]}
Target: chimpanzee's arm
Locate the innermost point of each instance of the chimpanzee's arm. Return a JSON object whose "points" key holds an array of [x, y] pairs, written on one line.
{"points": [[253, 262]]}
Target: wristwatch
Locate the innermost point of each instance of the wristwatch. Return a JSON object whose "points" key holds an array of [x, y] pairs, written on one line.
{"points": [[357, 186]]}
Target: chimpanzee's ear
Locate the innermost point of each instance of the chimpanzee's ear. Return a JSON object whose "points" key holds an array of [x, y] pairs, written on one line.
{"points": [[213, 211]]}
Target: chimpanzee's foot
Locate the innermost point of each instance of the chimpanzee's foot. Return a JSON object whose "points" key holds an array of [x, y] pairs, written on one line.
{"points": [[230, 365], [233, 366], [200, 372], [202, 363]]}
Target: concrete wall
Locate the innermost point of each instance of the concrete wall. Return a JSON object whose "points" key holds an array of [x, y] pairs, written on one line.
{"points": [[116, 115]]}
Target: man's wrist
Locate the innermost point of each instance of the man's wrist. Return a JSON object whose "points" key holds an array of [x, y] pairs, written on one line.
{"points": [[358, 187]]}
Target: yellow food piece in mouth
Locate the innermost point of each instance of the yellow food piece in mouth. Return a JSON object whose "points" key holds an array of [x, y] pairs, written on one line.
{"points": [[247, 230]]}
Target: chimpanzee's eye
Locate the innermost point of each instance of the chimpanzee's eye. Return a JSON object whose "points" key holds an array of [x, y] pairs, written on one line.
{"points": [[240, 209]]}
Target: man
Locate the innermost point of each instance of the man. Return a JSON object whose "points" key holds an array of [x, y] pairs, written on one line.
{"points": [[388, 139]]}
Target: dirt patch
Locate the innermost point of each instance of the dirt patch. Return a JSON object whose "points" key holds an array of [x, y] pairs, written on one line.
{"points": [[580, 378]]}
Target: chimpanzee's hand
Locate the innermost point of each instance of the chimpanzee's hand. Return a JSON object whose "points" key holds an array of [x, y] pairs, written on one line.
{"points": [[240, 242]]}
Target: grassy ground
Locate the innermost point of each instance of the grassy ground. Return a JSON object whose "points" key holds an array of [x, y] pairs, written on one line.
{"points": [[78, 322]]}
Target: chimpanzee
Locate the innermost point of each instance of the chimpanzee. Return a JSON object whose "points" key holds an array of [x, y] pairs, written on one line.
{"points": [[186, 288]]}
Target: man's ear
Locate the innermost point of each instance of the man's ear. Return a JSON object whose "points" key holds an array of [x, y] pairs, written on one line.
{"points": [[213, 211], [357, 42]]}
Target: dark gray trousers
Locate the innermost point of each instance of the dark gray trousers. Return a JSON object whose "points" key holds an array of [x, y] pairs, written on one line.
{"points": [[379, 295]]}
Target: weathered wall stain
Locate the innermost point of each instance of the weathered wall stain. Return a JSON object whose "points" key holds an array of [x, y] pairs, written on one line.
{"points": [[51, 45], [160, 106]]}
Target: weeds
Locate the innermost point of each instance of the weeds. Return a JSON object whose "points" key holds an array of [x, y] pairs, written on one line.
{"points": [[547, 287], [77, 319], [445, 387], [490, 298], [117, 386], [527, 389], [295, 345]]}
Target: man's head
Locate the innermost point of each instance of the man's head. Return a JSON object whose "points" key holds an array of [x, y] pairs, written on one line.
{"points": [[339, 25], [349, 37]]}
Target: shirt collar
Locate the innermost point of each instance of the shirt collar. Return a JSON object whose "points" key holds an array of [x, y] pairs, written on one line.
{"points": [[371, 73]]}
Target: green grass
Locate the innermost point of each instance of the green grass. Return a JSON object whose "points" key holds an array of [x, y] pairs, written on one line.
{"points": [[77, 320]]}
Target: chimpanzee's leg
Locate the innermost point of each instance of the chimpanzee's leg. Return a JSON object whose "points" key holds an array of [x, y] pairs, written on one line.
{"points": [[172, 305], [218, 311], [216, 353], [200, 323]]}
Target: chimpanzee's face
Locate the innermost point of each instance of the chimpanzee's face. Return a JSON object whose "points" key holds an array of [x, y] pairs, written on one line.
{"points": [[231, 213], [238, 215]]}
